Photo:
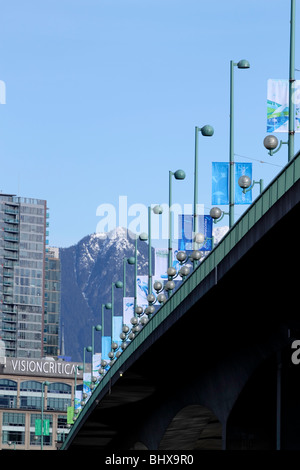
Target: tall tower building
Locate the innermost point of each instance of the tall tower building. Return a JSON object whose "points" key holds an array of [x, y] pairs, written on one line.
{"points": [[23, 232], [52, 302]]}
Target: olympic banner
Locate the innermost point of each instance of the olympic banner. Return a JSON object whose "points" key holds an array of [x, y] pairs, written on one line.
{"points": [[185, 235], [106, 347], [278, 105], [220, 183], [96, 364], [117, 328], [128, 306]]}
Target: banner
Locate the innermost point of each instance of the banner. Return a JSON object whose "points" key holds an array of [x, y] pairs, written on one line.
{"points": [[128, 305], [106, 347], [220, 183], [161, 263], [70, 414], [46, 427], [78, 398], [142, 291], [96, 364], [240, 197], [117, 328], [185, 236], [278, 105]]}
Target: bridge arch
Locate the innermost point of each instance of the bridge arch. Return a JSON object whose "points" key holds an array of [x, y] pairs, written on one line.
{"points": [[194, 427]]}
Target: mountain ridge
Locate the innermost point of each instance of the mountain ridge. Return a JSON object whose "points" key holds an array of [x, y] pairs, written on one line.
{"points": [[88, 270]]}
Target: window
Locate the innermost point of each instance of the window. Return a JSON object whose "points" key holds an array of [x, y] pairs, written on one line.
{"points": [[31, 394], [59, 396], [8, 393], [13, 428]]}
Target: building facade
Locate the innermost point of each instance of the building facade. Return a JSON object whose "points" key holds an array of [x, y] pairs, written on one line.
{"points": [[52, 303], [25, 292], [30, 389]]}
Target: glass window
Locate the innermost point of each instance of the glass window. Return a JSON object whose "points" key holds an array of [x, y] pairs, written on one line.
{"points": [[13, 428], [31, 386], [59, 387], [8, 393], [6, 384]]}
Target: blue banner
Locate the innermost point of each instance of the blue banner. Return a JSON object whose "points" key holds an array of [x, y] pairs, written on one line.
{"points": [[117, 329], [185, 235], [106, 347], [240, 197], [220, 183]]}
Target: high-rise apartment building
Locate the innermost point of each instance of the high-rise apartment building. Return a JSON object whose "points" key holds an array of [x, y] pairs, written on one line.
{"points": [[23, 283], [52, 302]]}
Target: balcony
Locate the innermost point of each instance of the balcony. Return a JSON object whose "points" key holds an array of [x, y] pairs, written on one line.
{"points": [[11, 229], [11, 210], [11, 221], [11, 246], [12, 256], [11, 238]]}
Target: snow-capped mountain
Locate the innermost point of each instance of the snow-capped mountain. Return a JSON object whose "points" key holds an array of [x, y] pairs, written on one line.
{"points": [[88, 270]]}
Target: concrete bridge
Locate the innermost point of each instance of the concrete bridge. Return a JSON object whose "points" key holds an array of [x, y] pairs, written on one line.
{"points": [[212, 369]]}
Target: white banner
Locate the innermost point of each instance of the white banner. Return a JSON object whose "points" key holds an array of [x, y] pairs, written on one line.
{"points": [[96, 364], [128, 303], [161, 263], [278, 105]]}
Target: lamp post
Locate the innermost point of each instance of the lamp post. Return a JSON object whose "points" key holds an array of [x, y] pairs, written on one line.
{"points": [[77, 368], [242, 64], [178, 175], [143, 237], [94, 328], [118, 285], [131, 261], [42, 413], [88, 349], [291, 83], [271, 141], [207, 131], [108, 306]]}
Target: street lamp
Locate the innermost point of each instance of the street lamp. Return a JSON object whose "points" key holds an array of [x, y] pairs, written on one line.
{"points": [[270, 141], [207, 131], [88, 349], [156, 210], [143, 237], [94, 328], [118, 285], [131, 261], [77, 368], [217, 214], [242, 64], [42, 413], [245, 183], [178, 175]]}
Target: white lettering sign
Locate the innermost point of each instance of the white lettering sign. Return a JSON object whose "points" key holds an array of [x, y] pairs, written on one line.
{"points": [[44, 367]]}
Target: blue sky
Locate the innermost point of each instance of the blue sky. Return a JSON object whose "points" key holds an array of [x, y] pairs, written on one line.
{"points": [[103, 96]]}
